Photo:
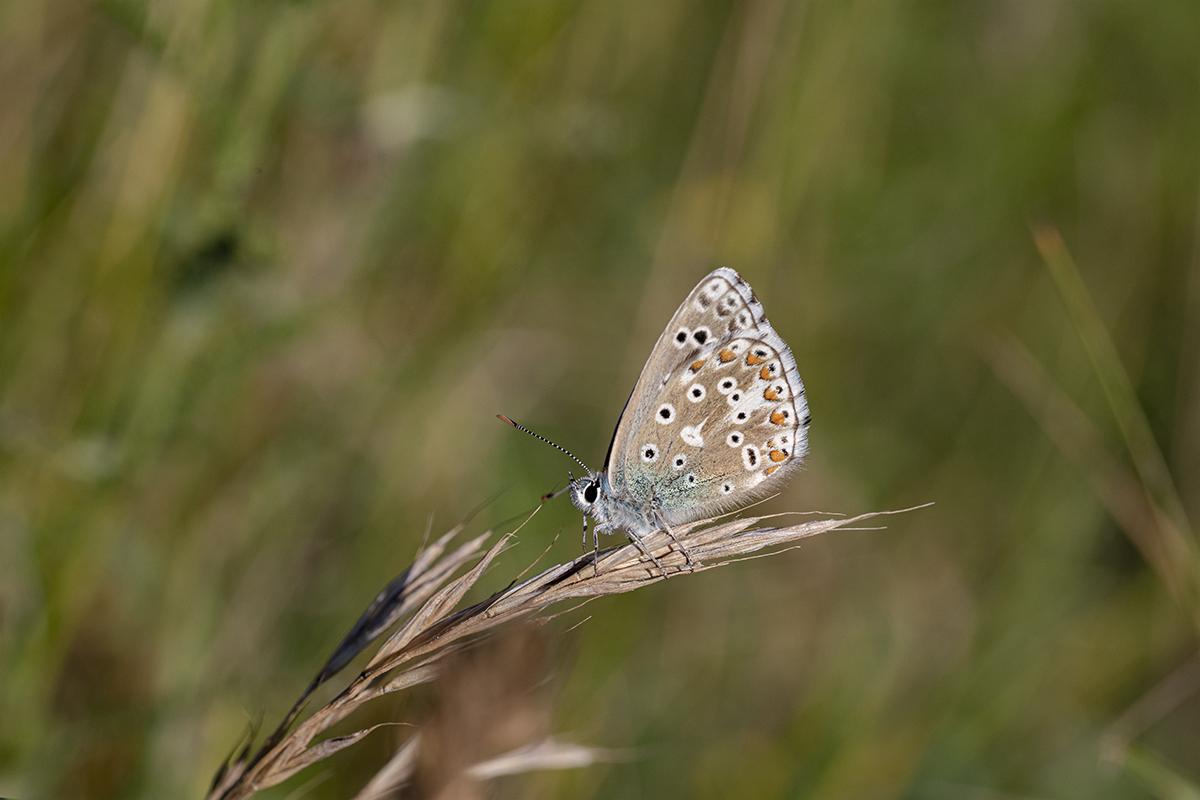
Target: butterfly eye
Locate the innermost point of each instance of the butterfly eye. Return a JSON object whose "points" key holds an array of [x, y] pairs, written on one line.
{"points": [[591, 493]]}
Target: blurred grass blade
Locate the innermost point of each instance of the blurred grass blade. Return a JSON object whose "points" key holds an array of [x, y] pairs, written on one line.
{"points": [[1168, 695], [1161, 778], [545, 755], [395, 774], [1114, 380], [1175, 530], [1116, 486]]}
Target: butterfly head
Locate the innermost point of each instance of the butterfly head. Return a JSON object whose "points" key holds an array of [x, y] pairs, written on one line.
{"points": [[588, 491]]}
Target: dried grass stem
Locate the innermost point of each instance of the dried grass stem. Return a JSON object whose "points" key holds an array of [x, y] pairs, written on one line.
{"points": [[426, 597]]}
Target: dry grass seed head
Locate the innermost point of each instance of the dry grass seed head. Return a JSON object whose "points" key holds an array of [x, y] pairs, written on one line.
{"points": [[434, 630]]}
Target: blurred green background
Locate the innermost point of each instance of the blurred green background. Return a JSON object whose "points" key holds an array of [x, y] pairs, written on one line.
{"points": [[268, 271]]}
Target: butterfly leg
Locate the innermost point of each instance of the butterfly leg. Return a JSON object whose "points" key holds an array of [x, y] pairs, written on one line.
{"points": [[642, 546], [675, 539], [595, 545]]}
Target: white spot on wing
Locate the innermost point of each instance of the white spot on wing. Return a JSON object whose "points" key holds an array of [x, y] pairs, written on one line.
{"points": [[691, 435]]}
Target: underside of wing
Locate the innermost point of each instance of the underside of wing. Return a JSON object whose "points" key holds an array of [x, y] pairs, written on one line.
{"points": [[718, 416]]}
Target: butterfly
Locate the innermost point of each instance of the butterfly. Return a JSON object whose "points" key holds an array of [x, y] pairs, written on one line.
{"points": [[717, 419]]}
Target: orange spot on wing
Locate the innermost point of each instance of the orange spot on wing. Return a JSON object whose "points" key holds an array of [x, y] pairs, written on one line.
{"points": [[727, 355], [779, 418], [778, 455], [771, 394], [697, 365], [752, 359], [765, 373], [772, 469]]}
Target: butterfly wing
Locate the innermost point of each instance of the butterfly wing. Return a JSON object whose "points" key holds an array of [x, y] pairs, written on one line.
{"points": [[718, 416]]}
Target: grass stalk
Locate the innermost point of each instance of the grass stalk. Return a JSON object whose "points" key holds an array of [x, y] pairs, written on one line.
{"points": [[425, 601]]}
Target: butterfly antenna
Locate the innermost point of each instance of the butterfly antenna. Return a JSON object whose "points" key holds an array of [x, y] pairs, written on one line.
{"points": [[544, 439]]}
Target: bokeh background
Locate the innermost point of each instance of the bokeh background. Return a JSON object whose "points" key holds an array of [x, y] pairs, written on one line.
{"points": [[268, 271]]}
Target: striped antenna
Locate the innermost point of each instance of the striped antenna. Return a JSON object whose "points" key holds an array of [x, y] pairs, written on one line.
{"points": [[544, 439]]}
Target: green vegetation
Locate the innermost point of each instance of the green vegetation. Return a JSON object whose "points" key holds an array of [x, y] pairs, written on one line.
{"points": [[269, 270]]}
